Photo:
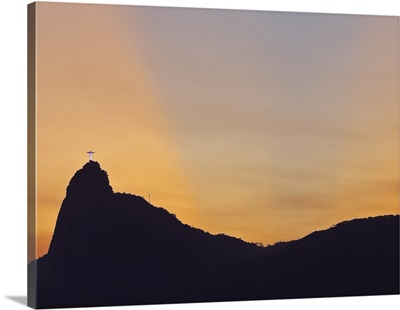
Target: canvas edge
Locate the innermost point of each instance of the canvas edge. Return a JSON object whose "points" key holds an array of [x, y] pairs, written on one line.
{"points": [[31, 81]]}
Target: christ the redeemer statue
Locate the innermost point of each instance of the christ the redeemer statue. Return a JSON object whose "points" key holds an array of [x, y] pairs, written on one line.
{"points": [[90, 154]]}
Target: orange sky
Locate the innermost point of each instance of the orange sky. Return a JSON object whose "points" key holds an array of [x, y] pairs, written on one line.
{"points": [[264, 126]]}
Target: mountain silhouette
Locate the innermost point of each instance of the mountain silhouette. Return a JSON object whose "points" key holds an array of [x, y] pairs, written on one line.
{"points": [[117, 249]]}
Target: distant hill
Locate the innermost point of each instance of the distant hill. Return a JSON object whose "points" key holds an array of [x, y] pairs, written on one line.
{"points": [[117, 249], [357, 257]]}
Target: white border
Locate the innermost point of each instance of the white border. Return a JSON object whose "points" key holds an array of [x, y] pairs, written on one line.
{"points": [[13, 145]]}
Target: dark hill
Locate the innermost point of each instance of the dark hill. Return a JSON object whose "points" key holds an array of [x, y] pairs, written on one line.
{"points": [[117, 249], [357, 257], [93, 220]]}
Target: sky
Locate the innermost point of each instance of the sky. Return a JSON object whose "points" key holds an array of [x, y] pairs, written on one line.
{"points": [[260, 125]]}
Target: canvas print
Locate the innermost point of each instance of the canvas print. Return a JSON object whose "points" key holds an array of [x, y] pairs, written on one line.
{"points": [[184, 155]]}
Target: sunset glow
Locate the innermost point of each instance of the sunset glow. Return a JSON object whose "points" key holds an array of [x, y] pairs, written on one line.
{"points": [[264, 126]]}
